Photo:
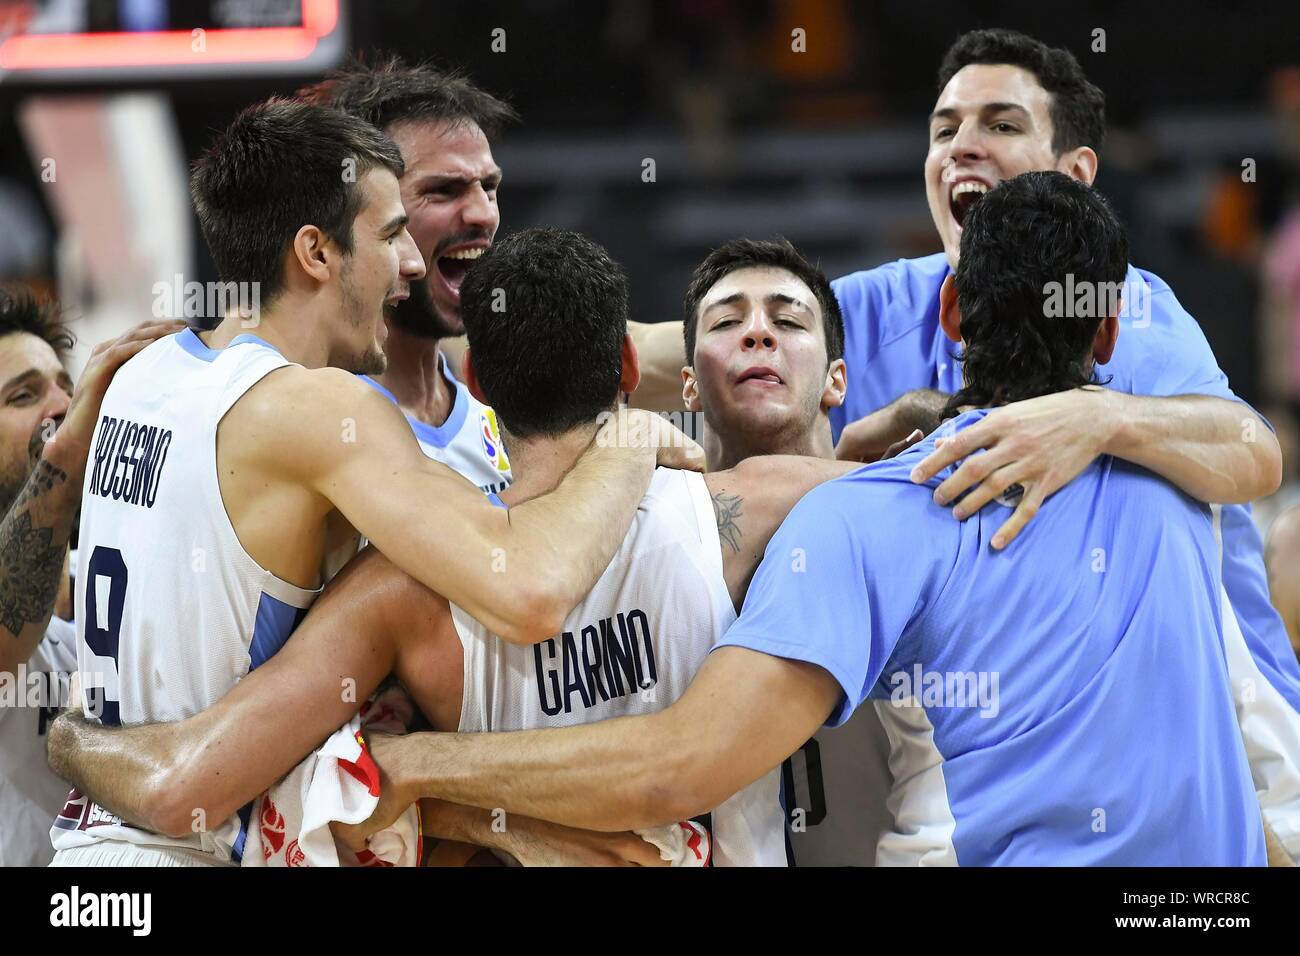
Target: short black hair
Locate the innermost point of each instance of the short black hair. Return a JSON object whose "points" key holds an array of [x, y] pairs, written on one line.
{"points": [[545, 312], [21, 311], [1025, 234], [1078, 108], [776, 253], [390, 91], [280, 165]]}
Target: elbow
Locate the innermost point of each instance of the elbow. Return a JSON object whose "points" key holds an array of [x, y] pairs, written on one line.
{"points": [[172, 812], [1265, 470], [1269, 465], [534, 612]]}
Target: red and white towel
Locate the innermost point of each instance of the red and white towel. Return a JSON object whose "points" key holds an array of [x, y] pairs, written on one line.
{"points": [[681, 844], [339, 782]]}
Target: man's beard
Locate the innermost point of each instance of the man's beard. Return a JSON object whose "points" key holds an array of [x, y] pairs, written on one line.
{"points": [[418, 317]]}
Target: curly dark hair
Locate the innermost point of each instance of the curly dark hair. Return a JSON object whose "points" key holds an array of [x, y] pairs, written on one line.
{"points": [[1078, 109], [1024, 236]]}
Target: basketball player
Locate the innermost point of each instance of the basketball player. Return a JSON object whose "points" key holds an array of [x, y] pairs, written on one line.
{"points": [[442, 124], [550, 364], [1093, 755], [39, 498], [224, 465], [747, 298], [1008, 104]]}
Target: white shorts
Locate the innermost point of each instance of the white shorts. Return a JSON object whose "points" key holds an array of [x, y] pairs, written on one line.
{"points": [[114, 853]]}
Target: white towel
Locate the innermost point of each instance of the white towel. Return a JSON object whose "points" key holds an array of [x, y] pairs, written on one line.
{"points": [[340, 781], [681, 844]]}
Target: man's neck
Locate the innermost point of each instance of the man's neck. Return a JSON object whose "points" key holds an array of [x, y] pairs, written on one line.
{"points": [[721, 454], [539, 464], [287, 328], [415, 378]]}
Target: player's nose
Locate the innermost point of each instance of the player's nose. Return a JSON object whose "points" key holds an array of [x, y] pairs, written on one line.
{"points": [[410, 262], [758, 333], [479, 210], [56, 404], [967, 142]]}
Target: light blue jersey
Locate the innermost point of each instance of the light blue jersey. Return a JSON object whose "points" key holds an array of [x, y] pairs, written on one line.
{"points": [[468, 442], [1072, 688], [893, 344]]}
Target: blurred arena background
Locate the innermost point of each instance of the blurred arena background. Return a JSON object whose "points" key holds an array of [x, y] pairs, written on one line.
{"points": [[825, 148]]}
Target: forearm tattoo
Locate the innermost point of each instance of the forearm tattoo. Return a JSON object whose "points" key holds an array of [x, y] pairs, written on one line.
{"points": [[31, 559], [726, 509]]}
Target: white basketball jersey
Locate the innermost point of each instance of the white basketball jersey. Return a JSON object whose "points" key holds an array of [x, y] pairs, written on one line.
{"points": [[468, 442], [171, 610], [632, 647]]}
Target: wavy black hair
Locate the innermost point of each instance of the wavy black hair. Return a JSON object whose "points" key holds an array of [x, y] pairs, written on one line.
{"points": [[1022, 246]]}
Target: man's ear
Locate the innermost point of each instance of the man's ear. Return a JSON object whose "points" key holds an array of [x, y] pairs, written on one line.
{"points": [[949, 311], [837, 385], [1080, 164], [1103, 346], [313, 253], [470, 377], [690, 389], [631, 377]]}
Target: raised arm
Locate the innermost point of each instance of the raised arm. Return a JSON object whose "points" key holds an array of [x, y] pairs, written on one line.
{"points": [[631, 772], [519, 571], [1216, 450], [157, 775], [34, 534]]}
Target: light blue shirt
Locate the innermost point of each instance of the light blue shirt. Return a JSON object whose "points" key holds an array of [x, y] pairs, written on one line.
{"points": [[893, 344], [1075, 682]]}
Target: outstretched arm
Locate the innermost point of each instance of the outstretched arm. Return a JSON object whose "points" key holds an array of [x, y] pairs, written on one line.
{"points": [[631, 772], [1215, 449]]}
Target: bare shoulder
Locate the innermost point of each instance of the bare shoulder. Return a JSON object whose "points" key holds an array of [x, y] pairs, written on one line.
{"points": [[776, 477], [305, 417], [294, 389]]}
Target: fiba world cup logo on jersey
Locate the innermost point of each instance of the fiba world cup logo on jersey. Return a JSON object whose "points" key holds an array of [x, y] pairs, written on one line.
{"points": [[492, 444]]}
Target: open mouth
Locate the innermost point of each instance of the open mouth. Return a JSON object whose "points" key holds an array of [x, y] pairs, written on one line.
{"points": [[453, 266], [391, 303], [963, 196]]}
